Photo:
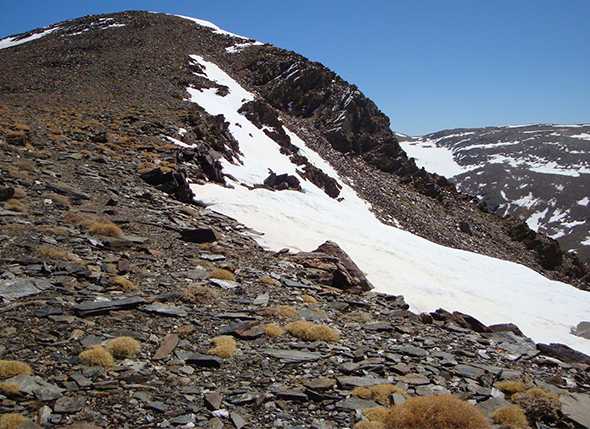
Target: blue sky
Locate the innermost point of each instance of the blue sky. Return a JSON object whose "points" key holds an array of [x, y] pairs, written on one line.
{"points": [[428, 64]]}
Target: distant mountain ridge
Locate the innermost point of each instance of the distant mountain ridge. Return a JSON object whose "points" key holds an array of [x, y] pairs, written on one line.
{"points": [[539, 173]]}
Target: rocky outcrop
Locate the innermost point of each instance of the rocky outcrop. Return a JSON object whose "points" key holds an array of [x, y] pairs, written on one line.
{"points": [[548, 251], [173, 182], [281, 182]]}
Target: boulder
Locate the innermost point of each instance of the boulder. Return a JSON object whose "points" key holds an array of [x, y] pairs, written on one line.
{"points": [[347, 275], [582, 330], [171, 182], [282, 182], [563, 353]]}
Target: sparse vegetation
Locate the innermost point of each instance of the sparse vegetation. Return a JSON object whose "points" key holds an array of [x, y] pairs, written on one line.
{"points": [[273, 330], [511, 416], [358, 316], [184, 331], [124, 347], [308, 299], [222, 274], [12, 421], [538, 404], [379, 392], [105, 227], [440, 412], [9, 389], [225, 346], [97, 356], [376, 414], [510, 387], [200, 294], [12, 368], [15, 205], [60, 200], [310, 331], [269, 281], [19, 193], [281, 311], [124, 283], [366, 424], [54, 252]]}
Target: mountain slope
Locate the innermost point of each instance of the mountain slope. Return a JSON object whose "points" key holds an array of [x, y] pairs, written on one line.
{"points": [[131, 118], [539, 173]]}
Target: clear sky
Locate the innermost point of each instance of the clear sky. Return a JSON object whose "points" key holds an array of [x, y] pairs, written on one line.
{"points": [[428, 64]]}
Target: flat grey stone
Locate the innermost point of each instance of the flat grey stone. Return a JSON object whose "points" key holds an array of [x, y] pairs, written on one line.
{"points": [[22, 287], [469, 371], [165, 310], [414, 379], [293, 355], [68, 405], [410, 350], [348, 382], [353, 403], [224, 284], [576, 406], [35, 385], [201, 360], [99, 307]]}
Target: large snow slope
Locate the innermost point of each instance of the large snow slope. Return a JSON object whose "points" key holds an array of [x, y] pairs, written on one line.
{"points": [[430, 276]]}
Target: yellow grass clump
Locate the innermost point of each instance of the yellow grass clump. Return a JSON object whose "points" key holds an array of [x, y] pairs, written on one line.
{"points": [[268, 280], [19, 193], [54, 252], [440, 412], [376, 414], [366, 424], [222, 274], [9, 389], [105, 227], [510, 387], [15, 205], [511, 416], [200, 294], [379, 392], [60, 200], [12, 421], [12, 368], [225, 346], [123, 347], [309, 331], [281, 311], [273, 330], [97, 356], [538, 404], [124, 283], [308, 299]]}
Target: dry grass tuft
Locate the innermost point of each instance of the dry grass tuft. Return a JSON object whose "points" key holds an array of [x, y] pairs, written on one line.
{"points": [[273, 330], [54, 252], [376, 414], [124, 283], [225, 346], [12, 421], [123, 347], [77, 218], [510, 387], [379, 392], [366, 424], [16, 205], [9, 389], [222, 274], [60, 200], [105, 227], [538, 404], [200, 294], [269, 281], [97, 356], [440, 412], [52, 229], [19, 193], [281, 311], [308, 299], [309, 331], [12, 368], [184, 331], [511, 416], [358, 316]]}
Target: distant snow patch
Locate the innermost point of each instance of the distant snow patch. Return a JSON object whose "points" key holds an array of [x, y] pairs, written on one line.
{"points": [[535, 221], [584, 201], [582, 136], [239, 47], [434, 158], [212, 26], [9, 42]]}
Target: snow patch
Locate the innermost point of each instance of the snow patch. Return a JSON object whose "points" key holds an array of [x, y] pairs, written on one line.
{"points": [[430, 276], [584, 201], [9, 42], [213, 27], [239, 47]]}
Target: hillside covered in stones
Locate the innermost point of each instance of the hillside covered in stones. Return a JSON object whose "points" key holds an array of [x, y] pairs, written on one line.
{"points": [[127, 303]]}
